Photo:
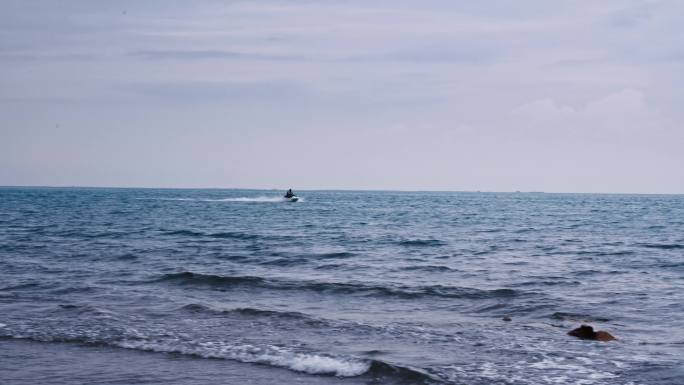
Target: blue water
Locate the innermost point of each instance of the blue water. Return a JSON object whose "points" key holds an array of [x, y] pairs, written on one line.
{"points": [[234, 286]]}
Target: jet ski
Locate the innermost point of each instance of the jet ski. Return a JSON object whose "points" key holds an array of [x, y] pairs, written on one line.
{"points": [[290, 196]]}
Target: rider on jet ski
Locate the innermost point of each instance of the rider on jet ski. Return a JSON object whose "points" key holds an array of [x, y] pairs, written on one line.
{"points": [[289, 194]]}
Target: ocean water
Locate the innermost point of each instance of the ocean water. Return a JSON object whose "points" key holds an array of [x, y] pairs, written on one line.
{"points": [[161, 286]]}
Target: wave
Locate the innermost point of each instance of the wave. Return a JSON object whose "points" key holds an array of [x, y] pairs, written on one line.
{"points": [[332, 255], [352, 288], [334, 266], [244, 311], [189, 278], [513, 310], [671, 265], [306, 362], [28, 285], [577, 317], [324, 324], [428, 268], [588, 272], [548, 281], [605, 253], [295, 359], [127, 256], [300, 259], [80, 233], [185, 233], [75, 289], [219, 235], [89, 310], [285, 262], [233, 235], [380, 370], [283, 357], [248, 312], [663, 246], [422, 242]]}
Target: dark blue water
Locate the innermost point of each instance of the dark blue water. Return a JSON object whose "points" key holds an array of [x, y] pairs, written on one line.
{"points": [[228, 286]]}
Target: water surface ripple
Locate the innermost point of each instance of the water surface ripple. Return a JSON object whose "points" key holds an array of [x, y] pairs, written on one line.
{"points": [[355, 287]]}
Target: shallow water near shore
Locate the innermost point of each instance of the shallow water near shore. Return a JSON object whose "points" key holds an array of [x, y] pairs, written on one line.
{"points": [[232, 286]]}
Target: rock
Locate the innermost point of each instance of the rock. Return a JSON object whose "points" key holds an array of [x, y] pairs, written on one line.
{"points": [[604, 336], [586, 332]]}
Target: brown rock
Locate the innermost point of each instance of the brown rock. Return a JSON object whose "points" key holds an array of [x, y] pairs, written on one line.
{"points": [[587, 332], [604, 336]]}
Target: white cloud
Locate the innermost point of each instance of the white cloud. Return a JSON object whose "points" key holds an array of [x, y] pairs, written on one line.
{"points": [[613, 117]]}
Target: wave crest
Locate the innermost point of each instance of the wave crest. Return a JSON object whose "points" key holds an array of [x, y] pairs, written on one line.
{"points": [[422, 243], [220, 235], [353, 288], [189, 278], [250, 312], [662, 246]]}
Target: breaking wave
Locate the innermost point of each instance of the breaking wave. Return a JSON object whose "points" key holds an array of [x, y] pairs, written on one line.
{"points": [[306, 362], [295, 359]]}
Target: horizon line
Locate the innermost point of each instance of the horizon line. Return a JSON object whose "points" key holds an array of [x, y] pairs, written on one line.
{"points": [[331, 189]]}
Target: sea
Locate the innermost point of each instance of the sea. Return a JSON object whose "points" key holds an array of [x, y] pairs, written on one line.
{"points": [[211, 286]]}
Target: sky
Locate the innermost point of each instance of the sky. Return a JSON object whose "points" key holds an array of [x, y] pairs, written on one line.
{"points": [[528, 95]]}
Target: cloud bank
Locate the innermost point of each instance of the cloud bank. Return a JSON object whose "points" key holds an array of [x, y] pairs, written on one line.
{"points": [[493, 95]]}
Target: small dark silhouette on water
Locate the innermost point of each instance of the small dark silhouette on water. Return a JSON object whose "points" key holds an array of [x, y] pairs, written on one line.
{"points": [[289, 194], [586, 332]]}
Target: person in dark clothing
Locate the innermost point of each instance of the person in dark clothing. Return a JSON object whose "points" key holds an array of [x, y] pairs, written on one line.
{"points": [[289, 194]]}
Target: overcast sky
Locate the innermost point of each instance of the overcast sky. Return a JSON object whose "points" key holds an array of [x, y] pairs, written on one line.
{"points": [[557, 96]]}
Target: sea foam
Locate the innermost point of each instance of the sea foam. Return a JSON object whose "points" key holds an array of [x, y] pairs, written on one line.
{"points": [[307, 362]]}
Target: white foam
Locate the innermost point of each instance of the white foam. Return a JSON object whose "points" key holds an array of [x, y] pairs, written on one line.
{"points": [[2, 325], [263, 199], [260, 199], [271, 355], [316, 364], [167, 199]]}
